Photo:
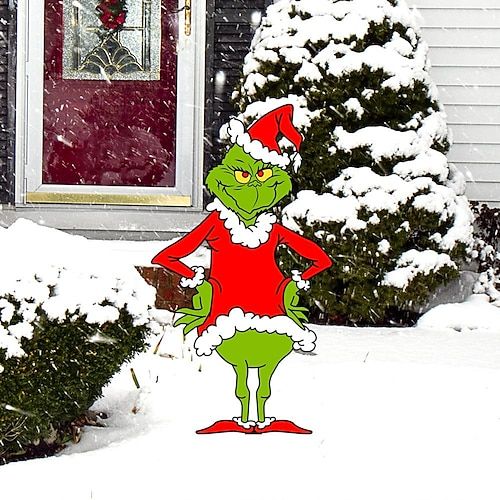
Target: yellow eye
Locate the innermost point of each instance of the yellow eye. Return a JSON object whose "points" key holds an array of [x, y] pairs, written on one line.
{"points": [[264, 174], [241, 176]]}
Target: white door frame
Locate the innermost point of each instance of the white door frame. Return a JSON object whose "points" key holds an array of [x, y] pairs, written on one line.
{"points": [[29, 126]]}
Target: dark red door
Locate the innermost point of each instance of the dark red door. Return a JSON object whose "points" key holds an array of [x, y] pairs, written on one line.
{"points": [[109, 112]]}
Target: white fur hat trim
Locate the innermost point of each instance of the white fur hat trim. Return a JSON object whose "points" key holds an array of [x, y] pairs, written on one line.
{"points": [[235, 131]]}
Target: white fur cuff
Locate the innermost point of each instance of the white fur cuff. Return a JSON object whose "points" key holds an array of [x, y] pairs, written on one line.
{"points": [[196, 280], [247, 425], [301, 284], [267, 422], [251, 423]]}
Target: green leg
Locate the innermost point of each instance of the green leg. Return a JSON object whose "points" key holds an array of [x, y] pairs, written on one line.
{"points": [[242, 391], [264, 389], [254, 350]]}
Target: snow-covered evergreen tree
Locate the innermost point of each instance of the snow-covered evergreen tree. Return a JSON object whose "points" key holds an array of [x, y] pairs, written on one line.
{"points": [[375, 188]]}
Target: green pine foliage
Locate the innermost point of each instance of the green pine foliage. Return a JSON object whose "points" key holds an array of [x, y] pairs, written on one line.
{"points": [[397, 251], [71, 314], [350, 292], [64, 369]]}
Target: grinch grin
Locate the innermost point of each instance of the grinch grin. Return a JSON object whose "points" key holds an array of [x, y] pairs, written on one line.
{"points": [[254, 200]]}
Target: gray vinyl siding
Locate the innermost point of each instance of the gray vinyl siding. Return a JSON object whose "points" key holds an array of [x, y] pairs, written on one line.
{"points": [[464, 41]]}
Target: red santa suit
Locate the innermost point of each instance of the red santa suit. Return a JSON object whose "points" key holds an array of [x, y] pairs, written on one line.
{"points": [[247, 283]]}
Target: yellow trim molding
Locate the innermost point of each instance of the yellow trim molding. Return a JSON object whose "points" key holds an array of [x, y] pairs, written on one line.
{"points": [[164, 200]]}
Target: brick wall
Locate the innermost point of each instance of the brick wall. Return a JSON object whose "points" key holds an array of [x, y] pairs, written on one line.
{"points": [[169, 294]]}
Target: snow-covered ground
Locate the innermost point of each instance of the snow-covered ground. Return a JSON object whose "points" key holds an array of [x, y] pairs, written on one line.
{"points": [[396, 414]]}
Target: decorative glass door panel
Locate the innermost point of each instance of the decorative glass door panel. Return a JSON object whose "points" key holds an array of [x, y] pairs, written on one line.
{"points": [[113, 39], [109, 110]]}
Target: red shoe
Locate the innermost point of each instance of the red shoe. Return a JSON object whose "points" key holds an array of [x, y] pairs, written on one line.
{"points": [[225, 426], [282, 426]]}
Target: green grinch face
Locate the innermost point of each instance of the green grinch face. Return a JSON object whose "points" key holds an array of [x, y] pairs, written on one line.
{"points": [[246, 186]]}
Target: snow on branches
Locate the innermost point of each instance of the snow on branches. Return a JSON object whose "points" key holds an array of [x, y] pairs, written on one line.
{"points": [[66, 277], [291, 26]]}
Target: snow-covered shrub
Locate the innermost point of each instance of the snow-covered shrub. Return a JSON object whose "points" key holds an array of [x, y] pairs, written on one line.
{"points": [[486, 251], [69, 317], [375, 188]]}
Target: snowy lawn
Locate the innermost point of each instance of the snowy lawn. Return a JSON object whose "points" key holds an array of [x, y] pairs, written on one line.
{"points": [[396, 413]]}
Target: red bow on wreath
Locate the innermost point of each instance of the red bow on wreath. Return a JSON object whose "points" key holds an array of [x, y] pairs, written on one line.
{"points": [[112, 13]]}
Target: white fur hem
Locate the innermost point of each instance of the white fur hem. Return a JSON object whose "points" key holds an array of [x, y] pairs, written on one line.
{"points": [[251, 236], [226, 327], [196, 280], [235, 131], [301, 284]]}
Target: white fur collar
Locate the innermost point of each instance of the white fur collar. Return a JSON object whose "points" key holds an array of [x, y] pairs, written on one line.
{"points": [[252, 236]]}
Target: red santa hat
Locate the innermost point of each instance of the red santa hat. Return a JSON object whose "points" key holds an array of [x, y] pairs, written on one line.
{"points": [[261, 139]]}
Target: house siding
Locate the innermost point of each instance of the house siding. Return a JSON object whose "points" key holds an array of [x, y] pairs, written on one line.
{"points": [[464, 41]]}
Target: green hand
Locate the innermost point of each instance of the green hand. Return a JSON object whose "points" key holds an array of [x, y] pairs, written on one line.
{"points": [[202, 304], [291, 301]]}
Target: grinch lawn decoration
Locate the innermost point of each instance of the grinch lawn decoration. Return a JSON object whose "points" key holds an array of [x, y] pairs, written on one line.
{"points": [[246, 309]]}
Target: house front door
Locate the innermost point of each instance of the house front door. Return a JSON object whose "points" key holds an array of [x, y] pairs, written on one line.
{"points": [[108, 93]]}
